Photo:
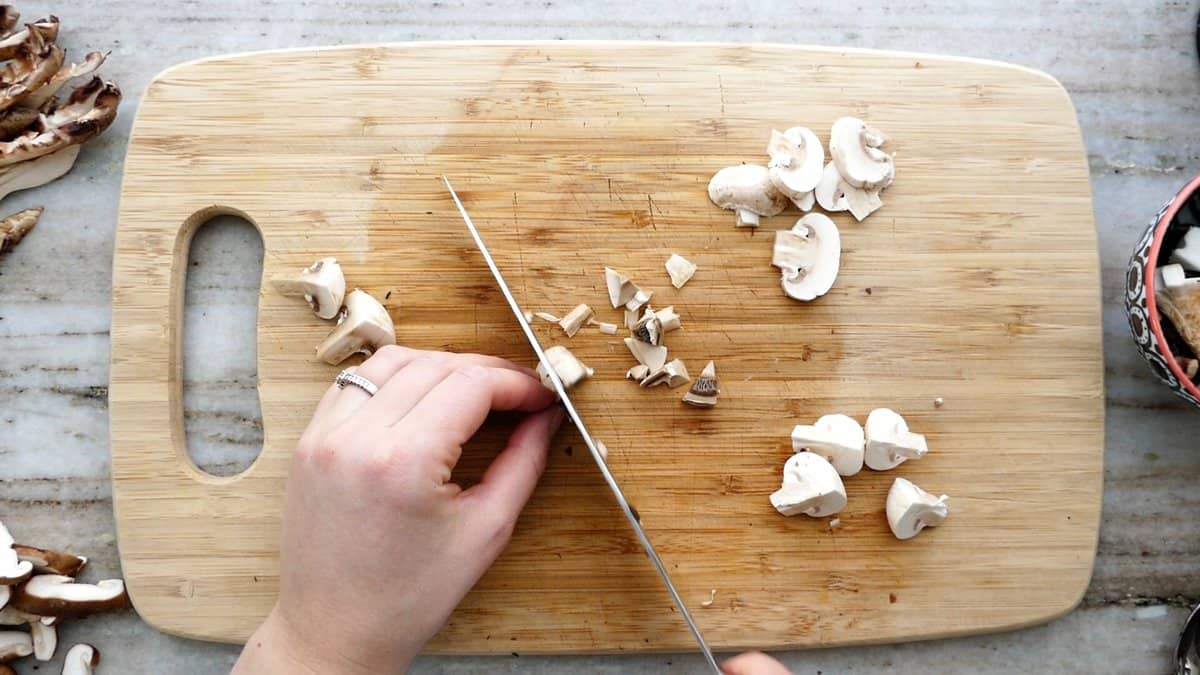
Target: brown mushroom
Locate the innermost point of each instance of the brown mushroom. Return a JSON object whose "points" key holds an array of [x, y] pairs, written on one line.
{"points": [[36, 61], [16, 226], [58, 595], [47, 561], [9, 16], [11, 44], [44, 94], [14, 645], [87, 112], [81, 659]]}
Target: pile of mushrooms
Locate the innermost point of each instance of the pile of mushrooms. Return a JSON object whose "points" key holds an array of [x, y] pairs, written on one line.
{"points": [[37, 591], [838, 446], [363, 324]]}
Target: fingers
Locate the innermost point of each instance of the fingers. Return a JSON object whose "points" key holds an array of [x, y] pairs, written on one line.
{"points": [[753, 663]]}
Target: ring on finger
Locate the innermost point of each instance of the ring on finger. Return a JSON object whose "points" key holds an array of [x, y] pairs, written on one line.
{"points": [[347, 377]]}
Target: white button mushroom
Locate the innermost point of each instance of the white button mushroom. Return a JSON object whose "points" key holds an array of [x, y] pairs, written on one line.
{"points": [[569, 368], [889, 442], [833, 193], [854, 148], [810, 486], [911, 509], [746, 189], [795, 167], [364, 327], [808, 256], [81, 659], [322, 284], [837, 438]]}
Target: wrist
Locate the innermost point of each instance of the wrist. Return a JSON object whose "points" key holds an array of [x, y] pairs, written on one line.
{"points": [[280, 647]]}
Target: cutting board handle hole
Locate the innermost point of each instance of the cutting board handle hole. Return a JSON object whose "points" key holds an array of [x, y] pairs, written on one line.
{"points": [[222, 415]]}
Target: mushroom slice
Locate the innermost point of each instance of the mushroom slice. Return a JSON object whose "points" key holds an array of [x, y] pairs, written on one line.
{"points": [[37, 172], [854, 148], [649, 329], [830, 193], [13, 570], [58, 595], [797, 158], [704, 391], [672, 374], [574, 320], [571, 371], [806, 201], [746, 189], [808, 256], [45, 640], [861, 203], [653, 357], [81, 659], [15, 227], [810, 486], [323, 286], [14, 645], [46, 561], [680, 269], [837, 438], [889, 442], [65, 74], [364, 326], [911, 509], [11, 44], [36, 62], [11, 616], [637, 373], [88, 112]]}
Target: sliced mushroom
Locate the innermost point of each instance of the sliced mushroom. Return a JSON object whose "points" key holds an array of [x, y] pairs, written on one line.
{"points": [[680, 269], [854, 148], [911, 509], [14, 645], [57, 595], [46, 561], [11, 616], [45, 640], [837, 438], [889, 442], [637, 373], [573, 321], [364, 327], [11, 44], [746, 189], [36, 61], [649, 329], [672, 374], [37, 172], [861, 203], [808, 256], [15, 227], [830, 192], [65, 74], [810, 486], [570, 370], [13, 570], [668, 318], [796, 161], [81, 660], [806, 201], [322, 284], [705, 390], [653, 357], [88, 112]]}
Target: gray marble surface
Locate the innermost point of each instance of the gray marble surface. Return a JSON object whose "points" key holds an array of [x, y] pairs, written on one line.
{"points": [[1132, 72]]}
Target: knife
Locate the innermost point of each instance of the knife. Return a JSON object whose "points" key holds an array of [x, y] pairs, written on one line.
{"points": [[587, 437]]}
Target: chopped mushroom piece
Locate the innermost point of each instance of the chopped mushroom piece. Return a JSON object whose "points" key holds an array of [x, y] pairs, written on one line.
{"points": [[45, 640], [911, 509], [653, 357], [631, 318], [41, 96], [606, 328], [15, 227], [668, 318], [747, 190], [808, 256], [547, 317], [81, 660], [649, 329], [810, 486], [640, 298], [57, 595], [14, 645], [573, 321], [837, 438], [680, 269], [364, 327], [620, 289], [889, 442], [322, 285], [672, 374], [528, 316], [46, 561], [854, 148], [570, 370], [37, 172], [796, 160], [704, 391], [637, 373]]}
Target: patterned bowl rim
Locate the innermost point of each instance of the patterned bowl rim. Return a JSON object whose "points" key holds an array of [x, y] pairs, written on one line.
{"points": [[1160, 230]]}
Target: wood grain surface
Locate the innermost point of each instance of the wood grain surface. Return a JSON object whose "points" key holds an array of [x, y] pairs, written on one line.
{"points": [[977, 283]]}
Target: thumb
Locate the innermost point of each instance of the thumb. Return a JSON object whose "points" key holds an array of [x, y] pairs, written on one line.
{"points": [[753, 663]]}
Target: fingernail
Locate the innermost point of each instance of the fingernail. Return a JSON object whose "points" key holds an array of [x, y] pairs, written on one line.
{"points": [[560, 414]]}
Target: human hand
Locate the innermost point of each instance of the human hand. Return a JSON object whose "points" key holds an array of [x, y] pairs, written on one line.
{"points": [[753, 663], [378, 545]]}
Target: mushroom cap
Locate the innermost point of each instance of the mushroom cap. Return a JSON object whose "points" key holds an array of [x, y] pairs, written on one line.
{"points": [[810, 486], [837, 438], [746, 187], [81, 659], [808, 255], [911, 509], [365, 327], [797, 158], [889, 442], [854, 147], [47, 561], [58, 595], [14, 645]]}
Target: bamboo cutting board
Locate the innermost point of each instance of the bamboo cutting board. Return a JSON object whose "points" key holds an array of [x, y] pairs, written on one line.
{"points": [[977, 282]]}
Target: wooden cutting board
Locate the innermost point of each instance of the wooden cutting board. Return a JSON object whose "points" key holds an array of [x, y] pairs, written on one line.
{"points": [[977, 282]]}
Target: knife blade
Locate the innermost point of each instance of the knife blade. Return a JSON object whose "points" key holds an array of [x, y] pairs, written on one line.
{"points": [[573, 413]]}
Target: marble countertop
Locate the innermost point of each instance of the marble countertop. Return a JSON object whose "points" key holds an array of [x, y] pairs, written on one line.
{"points": [[1131, 70]]}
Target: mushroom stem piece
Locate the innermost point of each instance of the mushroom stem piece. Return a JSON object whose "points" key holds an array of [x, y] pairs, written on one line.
{"points": [[45, 640], [680, 269], [889, 442], [747, 190], [566, 365], [911, 509], [808, 256], [322, 284], [81, 659], [14, 645], [810, 486], [704, 391], [364, 327], [837, 438], [574, 320], [15, 227]]}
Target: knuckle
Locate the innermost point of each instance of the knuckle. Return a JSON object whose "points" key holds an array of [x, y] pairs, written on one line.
{"points": [[474, 372]]}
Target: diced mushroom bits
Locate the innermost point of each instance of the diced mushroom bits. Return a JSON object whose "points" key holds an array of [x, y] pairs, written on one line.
{"points": [[648, 329], [570, 370], [704, 391], [364, 326], [640, 298], [547, 317], [837, 438], [889, 442], [631, 318], [680, 269], [672, 374], [653, 357], [911, 509], [14, 645], [808, 256], [322, 284], [620, 289], [795, 166], [573, 321], [13, 570], [668, 318], [605, 327], [810, 486], [81, 659], [748, 191], [637, 373]]}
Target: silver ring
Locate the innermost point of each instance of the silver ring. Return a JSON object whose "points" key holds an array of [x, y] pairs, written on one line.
{"points": [[346, 377]]}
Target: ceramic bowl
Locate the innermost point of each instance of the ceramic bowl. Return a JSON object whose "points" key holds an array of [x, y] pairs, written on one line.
{"points": [[1154, 339]]}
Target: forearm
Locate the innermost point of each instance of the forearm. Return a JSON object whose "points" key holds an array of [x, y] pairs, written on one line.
{"points": [[276, 649]]}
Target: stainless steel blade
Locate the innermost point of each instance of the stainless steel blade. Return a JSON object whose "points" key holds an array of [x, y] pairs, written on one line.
{"points": [[587, 437]]}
